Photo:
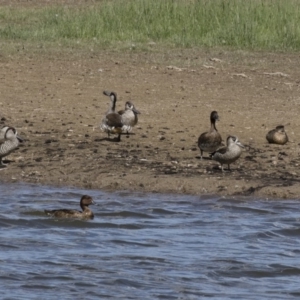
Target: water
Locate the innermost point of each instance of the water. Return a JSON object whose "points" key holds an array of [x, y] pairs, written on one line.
{"points": [[147, 246]]}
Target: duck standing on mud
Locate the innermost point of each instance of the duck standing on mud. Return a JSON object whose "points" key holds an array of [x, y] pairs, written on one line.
{"points": [[129, 114], [230, 153], [9, 141], [210, 141], [112, 122]]}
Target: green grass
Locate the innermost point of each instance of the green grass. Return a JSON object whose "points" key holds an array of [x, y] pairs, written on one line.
{"points": [[238, 24]]}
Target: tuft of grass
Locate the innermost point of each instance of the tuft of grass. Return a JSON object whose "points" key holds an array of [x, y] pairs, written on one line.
{"points": [[238, 24]]}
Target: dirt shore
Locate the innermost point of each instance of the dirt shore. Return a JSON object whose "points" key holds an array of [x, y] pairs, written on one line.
{"points": [[56, 104]]}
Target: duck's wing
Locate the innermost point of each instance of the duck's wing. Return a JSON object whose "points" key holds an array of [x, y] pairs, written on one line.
{"points": [[221, 150], [114, 120], [62, 213], [270, 136], [202, 137]]}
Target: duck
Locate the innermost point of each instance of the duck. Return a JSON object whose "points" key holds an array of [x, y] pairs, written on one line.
{"points": [[230, 153], [112, 122], [277, 136], [111, 109], [86, 213], [211, 140], [129, 114], [9, 141]]}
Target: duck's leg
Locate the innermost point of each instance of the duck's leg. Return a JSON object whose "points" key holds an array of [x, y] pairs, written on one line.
{"points": [[222, 168], [119, 137], [2, 164], [201, 153]]}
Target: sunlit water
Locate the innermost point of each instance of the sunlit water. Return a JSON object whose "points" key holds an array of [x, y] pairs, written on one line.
{"points": [[147, 246]]}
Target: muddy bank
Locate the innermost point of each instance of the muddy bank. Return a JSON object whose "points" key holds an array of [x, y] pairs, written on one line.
{"points": [[56, 104]]}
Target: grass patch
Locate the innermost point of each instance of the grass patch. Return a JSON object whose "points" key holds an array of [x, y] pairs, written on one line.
{"points": [[238, 24]]}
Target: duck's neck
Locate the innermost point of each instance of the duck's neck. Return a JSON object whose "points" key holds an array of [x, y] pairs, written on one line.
{"points": [[113, 104], [213, 125], [87, 212]]}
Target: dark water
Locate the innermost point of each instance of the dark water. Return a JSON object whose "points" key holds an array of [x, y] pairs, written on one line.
{"points": [[147, 246]]}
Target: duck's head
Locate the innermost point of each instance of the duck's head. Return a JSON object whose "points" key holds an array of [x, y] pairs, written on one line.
{"points": [[11, 133], [214, 116], [232, 139], [112, 95], [129, 105], [86, 200], [280, 128]]}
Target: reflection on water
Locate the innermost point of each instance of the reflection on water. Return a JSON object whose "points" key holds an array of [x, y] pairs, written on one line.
{"points": [[147, 246]]}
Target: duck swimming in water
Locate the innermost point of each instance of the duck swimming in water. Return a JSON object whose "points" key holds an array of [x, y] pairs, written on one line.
{"points": [[86, 213], [277, 136], [230, 153], [9, 141], [112, 123], [210, 141]]}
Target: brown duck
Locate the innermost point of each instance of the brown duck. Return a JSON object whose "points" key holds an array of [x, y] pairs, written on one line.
{"points": [[112, 122], [277, 136], [210, 141], [86, 213]]}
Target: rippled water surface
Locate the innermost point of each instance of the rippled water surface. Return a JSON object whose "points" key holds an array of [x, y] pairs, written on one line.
{"points": [[147, 246]]}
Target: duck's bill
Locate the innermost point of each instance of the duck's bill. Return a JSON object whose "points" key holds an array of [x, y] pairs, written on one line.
{"points": [[20, 139], [240, 144], [107, 93], [136, 111]]}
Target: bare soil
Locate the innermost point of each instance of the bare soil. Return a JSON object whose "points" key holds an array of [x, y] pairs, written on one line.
{"points": [[56, 103]]}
